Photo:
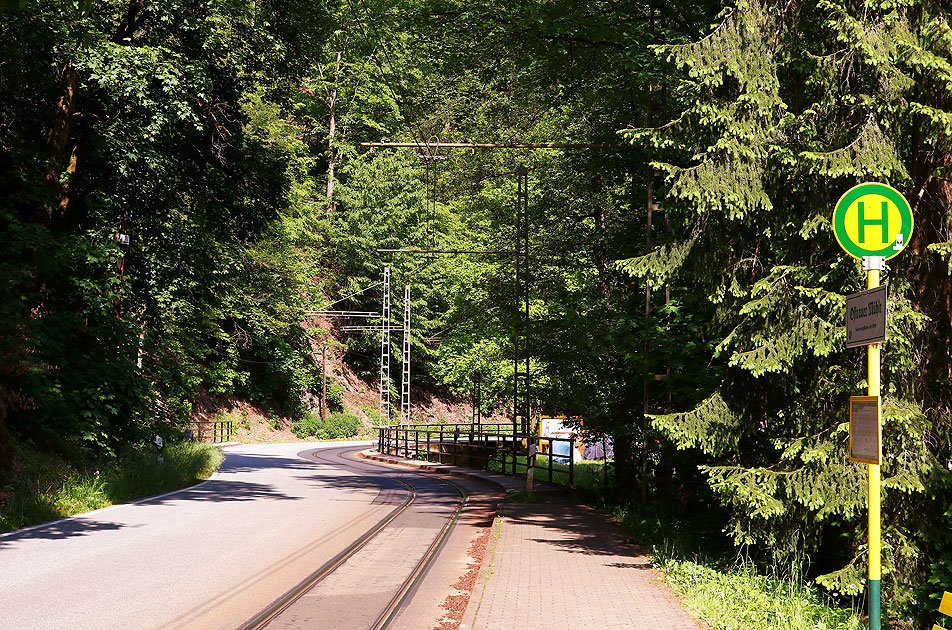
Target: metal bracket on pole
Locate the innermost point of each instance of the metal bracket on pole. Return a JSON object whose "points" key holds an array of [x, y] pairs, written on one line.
{"points": [[874, 263]]}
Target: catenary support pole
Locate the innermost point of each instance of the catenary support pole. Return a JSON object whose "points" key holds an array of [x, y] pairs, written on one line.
{"points": [[405, 381], [385, 349]]}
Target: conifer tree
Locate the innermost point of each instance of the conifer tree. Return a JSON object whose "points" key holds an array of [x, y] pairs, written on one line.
{"points": [[779, 109]]}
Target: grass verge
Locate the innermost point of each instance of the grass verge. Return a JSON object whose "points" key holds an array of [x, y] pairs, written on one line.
{"points": [[588, 474], [731, 592], [522, 496], [740, 598], [44, 487]]}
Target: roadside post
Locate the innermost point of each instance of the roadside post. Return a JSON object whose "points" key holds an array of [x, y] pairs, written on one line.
{"points": [[530, 464], [160, 447], [872, 222]]}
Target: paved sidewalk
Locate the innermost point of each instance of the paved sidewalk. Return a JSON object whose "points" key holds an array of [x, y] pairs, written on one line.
{"points": [[552, 564]]}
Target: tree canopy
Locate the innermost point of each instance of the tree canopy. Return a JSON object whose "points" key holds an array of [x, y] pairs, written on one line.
{"points": [[686, 290]]}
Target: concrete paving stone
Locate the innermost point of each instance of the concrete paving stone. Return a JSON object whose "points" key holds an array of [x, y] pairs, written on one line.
{"points": [[553, 564]]}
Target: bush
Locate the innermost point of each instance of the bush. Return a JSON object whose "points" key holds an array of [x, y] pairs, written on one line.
{"points": [[335, 395], [339, 425], [343, 425]]}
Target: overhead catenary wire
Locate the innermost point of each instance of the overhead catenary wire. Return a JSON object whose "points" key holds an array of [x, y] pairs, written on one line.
{"points": [[383, 74], [346, 297]]}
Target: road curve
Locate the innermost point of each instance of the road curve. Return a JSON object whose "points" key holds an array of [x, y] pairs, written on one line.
{"points": [[210, 556]]}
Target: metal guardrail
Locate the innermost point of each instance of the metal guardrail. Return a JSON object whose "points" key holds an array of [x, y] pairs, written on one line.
{"points": [[466, 445], [221, 430]]}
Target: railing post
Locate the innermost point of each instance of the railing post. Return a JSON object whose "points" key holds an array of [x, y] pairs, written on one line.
{"points": [[440, 449], [550, 460], [572, 460]]}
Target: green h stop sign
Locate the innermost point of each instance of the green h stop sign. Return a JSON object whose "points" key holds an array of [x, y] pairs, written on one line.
{"points": [[872, 220]]}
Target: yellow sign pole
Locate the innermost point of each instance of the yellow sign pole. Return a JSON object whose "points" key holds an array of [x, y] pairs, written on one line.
{"points": [[875, 570], [873, 222]]}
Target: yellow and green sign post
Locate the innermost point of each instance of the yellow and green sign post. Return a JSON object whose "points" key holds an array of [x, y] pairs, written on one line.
{"points": [[872, 222]]}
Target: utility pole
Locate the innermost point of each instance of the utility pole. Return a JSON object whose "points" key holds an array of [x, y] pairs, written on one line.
{"points": [[324, 382]]}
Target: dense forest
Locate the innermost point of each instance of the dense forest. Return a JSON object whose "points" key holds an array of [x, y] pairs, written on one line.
{"points": [[182, 179]]}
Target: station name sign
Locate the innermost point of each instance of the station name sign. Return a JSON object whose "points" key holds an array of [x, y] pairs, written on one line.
{"points": [[866, 317]]}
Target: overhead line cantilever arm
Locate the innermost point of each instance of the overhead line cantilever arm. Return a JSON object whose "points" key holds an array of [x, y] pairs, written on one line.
{"points": [[500, 145], [445, 251]]}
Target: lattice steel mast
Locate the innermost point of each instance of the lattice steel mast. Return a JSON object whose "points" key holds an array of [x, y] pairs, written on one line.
{"points": [[520, 407], [405, 388], [385, 350]]}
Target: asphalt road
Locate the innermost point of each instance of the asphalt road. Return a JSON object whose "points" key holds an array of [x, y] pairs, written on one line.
{"points": [[215, 555]]}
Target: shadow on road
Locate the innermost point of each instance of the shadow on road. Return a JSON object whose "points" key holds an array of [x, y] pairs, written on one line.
{"points": [[60, 530], [226, 489]]}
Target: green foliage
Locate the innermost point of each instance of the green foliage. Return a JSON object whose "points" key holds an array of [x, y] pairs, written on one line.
{"points": [[45, 487], [224, 138], [335, 395], [740, 598], [140, 473], [522, 496], [175, 135], [774, 114], [340, 425]]}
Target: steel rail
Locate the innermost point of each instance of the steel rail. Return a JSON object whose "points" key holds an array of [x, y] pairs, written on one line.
{"points": [[269, 614], [265, 617], [416, 576]]}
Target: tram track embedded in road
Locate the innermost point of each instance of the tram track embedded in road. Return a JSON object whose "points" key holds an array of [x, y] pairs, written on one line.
{"points": [[405, 592]]}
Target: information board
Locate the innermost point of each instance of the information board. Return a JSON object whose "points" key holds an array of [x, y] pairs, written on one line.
{"points": [[864, 429]]}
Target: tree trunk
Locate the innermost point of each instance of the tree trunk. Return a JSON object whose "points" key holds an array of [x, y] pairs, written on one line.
{"points": [[59, 146], [928, 273], [6, 448]]}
